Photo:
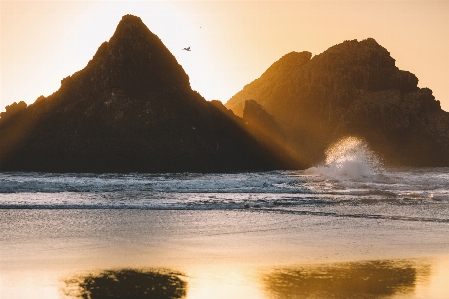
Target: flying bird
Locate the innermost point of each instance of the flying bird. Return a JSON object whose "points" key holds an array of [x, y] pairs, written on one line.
{"points": [[187, 49]]}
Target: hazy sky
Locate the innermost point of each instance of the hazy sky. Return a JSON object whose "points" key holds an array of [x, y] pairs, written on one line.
{"points": [[232, 42]]}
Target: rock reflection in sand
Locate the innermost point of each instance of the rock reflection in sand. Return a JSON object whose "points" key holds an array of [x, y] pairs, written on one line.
{"points": [[377, 279], [127, 283], [374, 279]]}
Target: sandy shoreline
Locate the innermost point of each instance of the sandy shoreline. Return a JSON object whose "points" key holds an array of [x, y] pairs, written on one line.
{"points": [[225, 253]]}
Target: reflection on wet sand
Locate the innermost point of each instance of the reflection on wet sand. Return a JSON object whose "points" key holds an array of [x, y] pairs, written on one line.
{"points": [[366, 279], [373, 279], [127, 283]]}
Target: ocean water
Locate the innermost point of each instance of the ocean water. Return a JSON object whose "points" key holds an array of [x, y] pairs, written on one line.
{"points": [[352, 182], [418, 194]]}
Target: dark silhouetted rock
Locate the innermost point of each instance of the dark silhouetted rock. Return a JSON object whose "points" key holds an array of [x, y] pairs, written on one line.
{"points": [[130, 109], [255, 116], [269, 133], [353, 88], [13, 109]]}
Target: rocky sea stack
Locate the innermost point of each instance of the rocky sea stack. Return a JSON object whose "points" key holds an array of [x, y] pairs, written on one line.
{"points": [[131, 109], [353, 88]]}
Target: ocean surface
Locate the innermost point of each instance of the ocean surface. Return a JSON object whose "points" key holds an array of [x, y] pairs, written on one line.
{"points": [[408, 194], [352, 182]]}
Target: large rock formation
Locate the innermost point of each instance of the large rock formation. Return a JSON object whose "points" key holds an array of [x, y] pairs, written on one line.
{"points": [[353, 88], [130, 109]]}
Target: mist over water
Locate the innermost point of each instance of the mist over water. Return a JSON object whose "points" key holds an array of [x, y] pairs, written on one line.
{"points": [[349, 158]]}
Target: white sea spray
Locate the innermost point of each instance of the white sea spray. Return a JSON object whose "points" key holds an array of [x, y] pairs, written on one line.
{"points": [[349, 158]]}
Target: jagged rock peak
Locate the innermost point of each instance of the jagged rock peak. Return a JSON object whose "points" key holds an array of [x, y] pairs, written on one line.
{"points": [[359, 52], [131, 27], [369, 43], [134, 59], [131, 20]]}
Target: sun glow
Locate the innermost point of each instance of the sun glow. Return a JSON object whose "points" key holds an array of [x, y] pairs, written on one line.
{"points": [[224, 281], [59, 38], [232, 43]]}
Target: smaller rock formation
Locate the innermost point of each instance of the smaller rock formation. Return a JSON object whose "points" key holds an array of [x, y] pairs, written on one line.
{"points": [[255, 116], [269, 133]]}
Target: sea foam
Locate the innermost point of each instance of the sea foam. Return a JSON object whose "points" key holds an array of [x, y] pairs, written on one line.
{"points": [[349, 158]]}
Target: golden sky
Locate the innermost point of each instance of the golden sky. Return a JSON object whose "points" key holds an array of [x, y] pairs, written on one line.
{"points": [[232, 42]]}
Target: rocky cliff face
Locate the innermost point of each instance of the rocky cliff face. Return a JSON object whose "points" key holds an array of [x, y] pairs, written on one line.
{"points": [[130, 109], [353, 88]]}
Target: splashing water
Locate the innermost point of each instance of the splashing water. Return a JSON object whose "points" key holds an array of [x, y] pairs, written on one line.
{"points": [[349, 158]]}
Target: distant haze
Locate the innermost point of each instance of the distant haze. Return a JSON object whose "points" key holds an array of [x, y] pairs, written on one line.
{"points": [[232, 43]]}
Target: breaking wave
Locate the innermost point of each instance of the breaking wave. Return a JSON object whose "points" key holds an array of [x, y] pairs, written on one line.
{"points": [[349, 158]]}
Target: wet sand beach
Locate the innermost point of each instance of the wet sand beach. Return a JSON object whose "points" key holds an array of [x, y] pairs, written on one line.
{"points": [[223, 254]]}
